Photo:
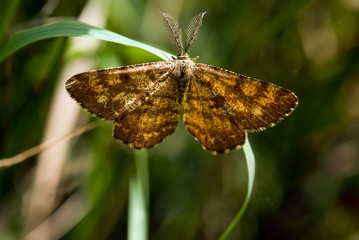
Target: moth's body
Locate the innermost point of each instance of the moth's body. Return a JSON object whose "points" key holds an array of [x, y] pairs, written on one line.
{"points": [[146, 100], [182, 70]]}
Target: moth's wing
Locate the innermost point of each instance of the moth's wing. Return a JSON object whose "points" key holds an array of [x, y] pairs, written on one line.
{"points": [[150, 122], [210, 125], [221, 105], [105, 92]]}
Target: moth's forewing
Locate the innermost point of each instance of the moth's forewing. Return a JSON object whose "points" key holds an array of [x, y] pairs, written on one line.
{"points": [[106, 93]]}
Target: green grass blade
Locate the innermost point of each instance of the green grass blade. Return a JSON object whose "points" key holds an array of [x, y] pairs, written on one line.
{"points": [[251, 167], [138, 199], [7, 13], [70, 28]]}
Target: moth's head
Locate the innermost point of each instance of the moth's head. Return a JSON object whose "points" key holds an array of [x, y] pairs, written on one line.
{"points": [[183, 56], [175, 32]]}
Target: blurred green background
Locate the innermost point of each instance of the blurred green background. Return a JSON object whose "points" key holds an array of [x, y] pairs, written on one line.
{"points": [[307, 177]]}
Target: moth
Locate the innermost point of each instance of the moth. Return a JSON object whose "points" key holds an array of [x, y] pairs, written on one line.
{"points": [[146, 100]]}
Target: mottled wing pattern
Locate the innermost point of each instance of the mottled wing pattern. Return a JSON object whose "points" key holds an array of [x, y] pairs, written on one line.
{"points": [[212, 128], [108, 93], [157, 117], [144, 100], [221, 105]]}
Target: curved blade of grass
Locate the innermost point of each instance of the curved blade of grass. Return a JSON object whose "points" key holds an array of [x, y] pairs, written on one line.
{"points": [[138, 199], [71, 28], [251, 167]]}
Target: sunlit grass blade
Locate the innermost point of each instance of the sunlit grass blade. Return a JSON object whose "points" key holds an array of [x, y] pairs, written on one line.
{"points": [[138, 199], [70, 28], [251, 167]]}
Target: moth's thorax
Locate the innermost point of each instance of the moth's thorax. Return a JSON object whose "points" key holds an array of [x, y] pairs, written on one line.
{"points": [[182, 70], [183, 67]]}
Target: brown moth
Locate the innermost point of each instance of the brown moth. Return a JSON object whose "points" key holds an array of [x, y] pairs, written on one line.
{"points": [[146, 100]]}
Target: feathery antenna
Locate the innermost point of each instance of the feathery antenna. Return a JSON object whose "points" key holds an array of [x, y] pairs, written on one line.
{"points": [[192, 30], [174, 30]]}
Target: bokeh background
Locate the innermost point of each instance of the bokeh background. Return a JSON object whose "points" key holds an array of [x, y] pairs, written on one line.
{"points": [[307, 176]]}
